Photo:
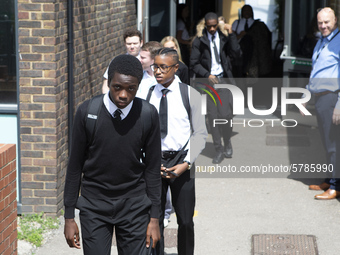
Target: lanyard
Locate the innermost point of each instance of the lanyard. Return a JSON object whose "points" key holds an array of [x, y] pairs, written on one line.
{"points": [[326, 45]]}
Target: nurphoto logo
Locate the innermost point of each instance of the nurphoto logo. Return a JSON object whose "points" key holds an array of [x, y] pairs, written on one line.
{"points": [[238, 103]]}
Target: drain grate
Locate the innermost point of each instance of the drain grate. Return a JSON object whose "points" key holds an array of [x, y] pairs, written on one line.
{"points": [[284, 245]]}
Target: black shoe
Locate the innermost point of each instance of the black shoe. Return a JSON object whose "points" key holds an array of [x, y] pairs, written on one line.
{"points": [[218, 158], [228, 151]]}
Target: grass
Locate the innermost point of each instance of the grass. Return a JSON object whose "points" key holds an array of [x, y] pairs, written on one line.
{"points": [[31, 227]]}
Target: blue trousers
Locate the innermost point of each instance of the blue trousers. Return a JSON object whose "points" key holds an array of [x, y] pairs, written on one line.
{"points": [[330, 135]]}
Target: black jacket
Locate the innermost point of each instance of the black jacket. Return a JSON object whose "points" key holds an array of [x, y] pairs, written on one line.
{"points": [[200, 60], [183, 73]]}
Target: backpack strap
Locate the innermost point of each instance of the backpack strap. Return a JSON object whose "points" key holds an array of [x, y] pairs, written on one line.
{"points": [[149, 93], [146, 124], [184, 88], [93, 112], [146, 119]]}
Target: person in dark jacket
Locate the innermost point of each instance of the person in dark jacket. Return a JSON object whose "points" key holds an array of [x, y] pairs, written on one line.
{"points": [[211, 55]]}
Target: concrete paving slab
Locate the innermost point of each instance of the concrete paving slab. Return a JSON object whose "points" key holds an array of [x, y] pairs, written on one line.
{"points": [[232, 208]]}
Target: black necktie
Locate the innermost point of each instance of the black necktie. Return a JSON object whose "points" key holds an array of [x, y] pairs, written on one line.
{"points": [[163, 114], [246, 27], [217, 57], [116, 114]]}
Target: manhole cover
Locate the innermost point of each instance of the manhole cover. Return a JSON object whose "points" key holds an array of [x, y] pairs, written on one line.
{"points": [[284, 245]]}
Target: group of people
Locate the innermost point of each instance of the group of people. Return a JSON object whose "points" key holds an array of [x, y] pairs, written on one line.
{"points": [[151, 149], [139, 150]]}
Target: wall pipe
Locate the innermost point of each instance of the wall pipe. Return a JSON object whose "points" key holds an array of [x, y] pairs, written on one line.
{"points": [[70, 58]]}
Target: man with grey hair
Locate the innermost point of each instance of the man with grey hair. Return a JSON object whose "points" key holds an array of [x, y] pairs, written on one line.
{"points": [[324, 84]]}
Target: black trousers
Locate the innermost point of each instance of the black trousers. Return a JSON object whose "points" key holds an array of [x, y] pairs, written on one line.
{"points": [[129, 217], [183, 200], [330, 135], [219, 111]]}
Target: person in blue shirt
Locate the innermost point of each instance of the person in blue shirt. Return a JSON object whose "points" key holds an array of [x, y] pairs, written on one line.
{"points": [[325, 85]]}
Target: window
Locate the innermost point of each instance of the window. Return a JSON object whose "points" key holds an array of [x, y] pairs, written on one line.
{"points": [[8, 87]]}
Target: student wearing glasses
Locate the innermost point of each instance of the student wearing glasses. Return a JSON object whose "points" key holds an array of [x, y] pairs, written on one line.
{"points": [[210, 58], [183, 135]]}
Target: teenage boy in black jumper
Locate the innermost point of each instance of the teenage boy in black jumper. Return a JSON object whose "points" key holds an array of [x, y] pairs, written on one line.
{"points": [[177, 128], [117, 188]]}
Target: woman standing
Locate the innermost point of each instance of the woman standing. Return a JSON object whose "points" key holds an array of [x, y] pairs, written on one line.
{"points": [[183, 71]]}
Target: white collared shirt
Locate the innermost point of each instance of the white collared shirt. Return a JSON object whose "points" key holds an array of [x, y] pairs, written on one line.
{"points": [[179, 128], [111, 107], [238, 25], [216, 68], [145, 84]]}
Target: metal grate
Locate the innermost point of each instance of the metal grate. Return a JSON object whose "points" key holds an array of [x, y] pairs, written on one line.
{"points": [[265, 244]]}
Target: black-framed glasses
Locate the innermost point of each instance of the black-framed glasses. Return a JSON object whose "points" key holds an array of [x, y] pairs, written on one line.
{"points": [[163, 68]]}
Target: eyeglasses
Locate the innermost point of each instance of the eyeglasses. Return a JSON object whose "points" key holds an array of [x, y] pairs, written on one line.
{"points": [[163, 68]]}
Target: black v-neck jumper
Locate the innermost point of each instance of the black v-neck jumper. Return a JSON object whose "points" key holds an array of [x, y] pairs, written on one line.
{"points": [[110, 168]]}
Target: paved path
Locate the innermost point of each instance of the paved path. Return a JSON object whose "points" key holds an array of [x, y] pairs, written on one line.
{"points": [[231, 210]]}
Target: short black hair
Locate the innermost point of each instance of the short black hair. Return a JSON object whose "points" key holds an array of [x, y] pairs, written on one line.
{"points": [[210, 16], [132, 32], [169, 52], [125, 64], [247, 6]]}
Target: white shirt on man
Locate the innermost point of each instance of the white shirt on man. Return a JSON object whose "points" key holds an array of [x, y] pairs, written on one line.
{"points": [[111, 107], [216, 68], [239, 25]]}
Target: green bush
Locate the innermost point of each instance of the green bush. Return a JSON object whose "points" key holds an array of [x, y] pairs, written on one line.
{"points": [[31, 227]]}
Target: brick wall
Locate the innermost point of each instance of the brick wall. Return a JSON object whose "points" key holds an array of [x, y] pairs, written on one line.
{"points": [[8, 203], [98, 28]]}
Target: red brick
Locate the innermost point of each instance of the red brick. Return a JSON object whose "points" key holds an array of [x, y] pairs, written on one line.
{"points": [[29, 7], [44, 162], [5, 213], [12, 176], [14, 165], [26, 177], [13, 217], [23, 15], [48, 7], [26, 161], [13, 236], [6, 170], [2, 247]]}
